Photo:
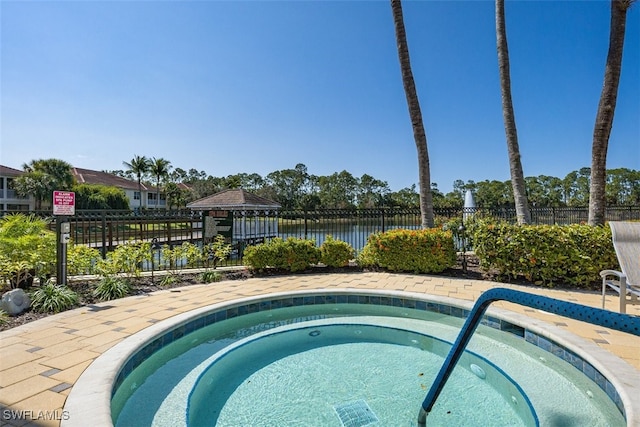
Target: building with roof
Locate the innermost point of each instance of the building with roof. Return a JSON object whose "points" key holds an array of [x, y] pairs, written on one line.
{"points": [[244, 217], [10, 200], [146, 193]]}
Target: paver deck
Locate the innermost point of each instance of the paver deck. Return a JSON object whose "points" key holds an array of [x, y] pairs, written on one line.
{"points": [[41, 361]]}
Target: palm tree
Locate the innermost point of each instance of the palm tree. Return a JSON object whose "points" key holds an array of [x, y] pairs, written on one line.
{"points": [[424, 173], [515, 165], [159, 168], [37, 184], [139, 166], [42, 177], [606, 108]]}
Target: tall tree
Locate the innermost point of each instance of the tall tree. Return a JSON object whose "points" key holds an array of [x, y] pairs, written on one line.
{"points": [[139, 166], [424, 173], [35, 183], [60, 172], [44, 176], [159, 168], [515, 165], [606, 109]]}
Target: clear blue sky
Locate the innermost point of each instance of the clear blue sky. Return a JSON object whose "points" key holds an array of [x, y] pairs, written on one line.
{"points": [[258, 86]]}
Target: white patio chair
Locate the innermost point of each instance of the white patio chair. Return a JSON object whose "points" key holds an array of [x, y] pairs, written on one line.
{"points": [[626, 241]]}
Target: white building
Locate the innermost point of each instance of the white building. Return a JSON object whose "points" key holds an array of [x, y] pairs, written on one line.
{"points": [[9, 199], [148, 193]]}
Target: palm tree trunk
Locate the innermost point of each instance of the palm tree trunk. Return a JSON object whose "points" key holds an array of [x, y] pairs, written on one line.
{"points": [[515, 165], [606, 108], [424, 173]]}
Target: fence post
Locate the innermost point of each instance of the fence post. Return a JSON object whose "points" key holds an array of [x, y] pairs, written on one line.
{"points": [[103, 250], [305, 223], [382, 213]]}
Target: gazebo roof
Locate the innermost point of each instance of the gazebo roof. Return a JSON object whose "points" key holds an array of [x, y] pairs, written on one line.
{"points": [[236, 198]]}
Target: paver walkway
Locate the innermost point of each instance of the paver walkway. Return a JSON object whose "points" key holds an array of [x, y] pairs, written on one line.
{"points": [[41, 361]]}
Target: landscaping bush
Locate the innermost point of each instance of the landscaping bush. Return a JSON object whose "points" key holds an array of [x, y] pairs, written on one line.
{"points": [[27, 249], [4, 318], [417, 251], [82, 259], [335, 253], [111, 288], [51, 298], [210, 276], [126, 259], [545, 254], [216, 251], [291, 254]]}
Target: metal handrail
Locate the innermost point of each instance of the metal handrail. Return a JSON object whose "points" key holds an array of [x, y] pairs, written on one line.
{"points": [[596, 316]]}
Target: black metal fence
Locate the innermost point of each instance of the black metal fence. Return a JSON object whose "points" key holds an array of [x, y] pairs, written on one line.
{"points": [[106, 229]]}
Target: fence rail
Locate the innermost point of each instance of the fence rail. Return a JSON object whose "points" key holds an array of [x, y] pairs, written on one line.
{"points": [[106, 229]]}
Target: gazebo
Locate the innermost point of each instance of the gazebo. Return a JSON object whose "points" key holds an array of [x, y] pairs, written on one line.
{"points": [[243, 217]]}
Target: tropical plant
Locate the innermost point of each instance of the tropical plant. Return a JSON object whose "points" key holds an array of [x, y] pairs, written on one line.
{"points": [[419, 135], [37, 184], [27, 249], [210, 276], [169, 279], [515, 165], [111, 288], [216, 251], [139, 166], [126, 258], [82, 259], [51, 298], [42, 177], [4, 318], [606, 109]]}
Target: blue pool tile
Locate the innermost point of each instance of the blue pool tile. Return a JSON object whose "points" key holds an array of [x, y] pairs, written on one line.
{"points": [[220, 316], [265, 305], [456, 312], [589, 371]]}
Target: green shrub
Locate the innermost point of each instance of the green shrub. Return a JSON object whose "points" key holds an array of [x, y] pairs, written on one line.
{"points": [[335, 253], [51, 298], [168, 280], [261, 256], [111, 288], [291, 254], [27, 249], [545, 254], [82, 259], [210, 276], [417, 251], [4, 318], [126, 258], [216, 251]]}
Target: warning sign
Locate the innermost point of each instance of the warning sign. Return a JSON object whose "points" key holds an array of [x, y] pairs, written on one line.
{"points": [[64, 203]]}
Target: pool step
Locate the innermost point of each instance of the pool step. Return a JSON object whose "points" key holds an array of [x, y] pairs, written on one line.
{"points": [[355, 414]]}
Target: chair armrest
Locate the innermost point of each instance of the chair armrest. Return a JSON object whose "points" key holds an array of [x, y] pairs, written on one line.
{"points": [[605, 273]]}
